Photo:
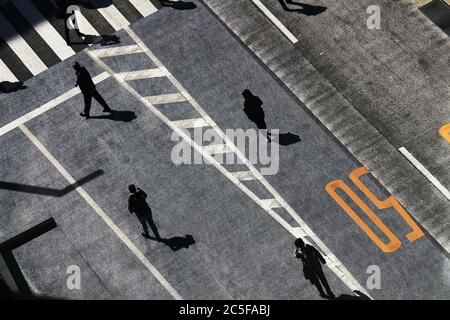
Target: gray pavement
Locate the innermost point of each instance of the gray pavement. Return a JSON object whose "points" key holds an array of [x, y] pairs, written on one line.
{"points": [[240, 252], [367, 87]]}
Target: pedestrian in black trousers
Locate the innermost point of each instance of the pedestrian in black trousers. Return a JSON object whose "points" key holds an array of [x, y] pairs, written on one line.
{"points": [[137, 204], [88, 89], [312, 267]]}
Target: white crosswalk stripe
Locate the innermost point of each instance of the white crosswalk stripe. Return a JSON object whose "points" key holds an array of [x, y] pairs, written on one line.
{"points": [[44, 29], [34, 14], [145, 7], [21, 47], [113, 16], [6, 74]]}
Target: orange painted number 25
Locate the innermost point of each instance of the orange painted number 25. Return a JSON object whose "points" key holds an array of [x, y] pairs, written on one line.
{"points": [[393, 242]]}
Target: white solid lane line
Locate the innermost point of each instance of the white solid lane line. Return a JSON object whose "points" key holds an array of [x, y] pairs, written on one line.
{"points": [[425, 172], [275, 21], [20, 47], [119, 233], [6, 74], [145, 7], [44, 29], [48, 106]]}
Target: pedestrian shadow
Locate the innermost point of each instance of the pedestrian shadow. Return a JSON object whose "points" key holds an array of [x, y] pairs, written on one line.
{"points": [[359, 296], [177, 243], [305, 9], [88, 4], [102, 40], [286, 139], [8, 87], [178, 5], [124, 116], [51, 192]]}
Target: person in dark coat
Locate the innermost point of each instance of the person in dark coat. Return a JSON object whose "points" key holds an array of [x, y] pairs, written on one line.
{"points": [[88, 89], [312, 267], [253, 109], [138, 205]]}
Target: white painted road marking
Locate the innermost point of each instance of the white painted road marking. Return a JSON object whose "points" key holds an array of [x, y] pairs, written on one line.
{"points": [[20, 47], [142, 74], [44, 29], [119, 233], [334, 264], [145, 7], [166, 98], [48, 106], [117, 51], [190, 123], [112, 15], [244, 175], [425, 172], [6, 74], [275, 21]]}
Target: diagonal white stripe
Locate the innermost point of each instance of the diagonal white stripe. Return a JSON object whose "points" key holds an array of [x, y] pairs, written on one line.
{"points": [[6, 74], [44, 29], [112, 15], [275, 21], [22, 50], [425, 172], [145, 7]]}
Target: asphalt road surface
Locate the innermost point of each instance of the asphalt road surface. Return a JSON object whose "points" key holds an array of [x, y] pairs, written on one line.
{"points": [[58, 164]]}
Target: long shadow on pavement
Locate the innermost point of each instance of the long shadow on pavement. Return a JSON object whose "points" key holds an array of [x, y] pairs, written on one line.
{"points": [[124, 116], [305, 9]]}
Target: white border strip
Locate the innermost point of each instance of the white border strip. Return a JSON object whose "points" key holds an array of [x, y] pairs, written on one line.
{"points": [[275, 21], [120, 234], [425, 172]]}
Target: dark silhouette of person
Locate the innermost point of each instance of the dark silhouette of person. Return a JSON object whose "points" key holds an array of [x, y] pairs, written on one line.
{"points": [[253, 109], [312, 267], [88, 89], [138, 205], [179, 5], [305, 9]]}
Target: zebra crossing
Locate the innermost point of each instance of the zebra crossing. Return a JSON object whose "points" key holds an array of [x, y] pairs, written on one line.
{"points": [[34, 34]]}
